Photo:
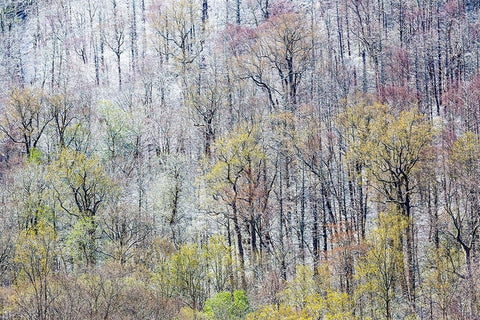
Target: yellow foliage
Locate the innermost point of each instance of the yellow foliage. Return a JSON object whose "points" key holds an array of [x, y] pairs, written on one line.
{"points": [[218, 255], [440, 280], [301, 300], [466, 148], [464, 158], [83, 178], [189, 269], [300, 288], [380, 270], [25, 117], [35, 257], [35, 252], [237, 154], [338, 306], [24, 104], [281, 312], [187, 313], [387, 144]]}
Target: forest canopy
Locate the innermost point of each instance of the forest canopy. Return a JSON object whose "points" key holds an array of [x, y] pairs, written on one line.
{"points": [[255, 159]]}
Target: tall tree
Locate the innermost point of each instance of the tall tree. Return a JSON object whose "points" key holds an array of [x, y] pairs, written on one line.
{"points": [[461, 203], [392, 146], [26, 118]]}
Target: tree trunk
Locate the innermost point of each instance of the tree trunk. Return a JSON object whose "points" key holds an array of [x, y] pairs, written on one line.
{"points": [[283, 267], [241, 254], [238, 11]]}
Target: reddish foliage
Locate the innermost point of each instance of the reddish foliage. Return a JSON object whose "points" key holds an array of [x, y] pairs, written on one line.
{"points": [[281, 7], [398, 66], [453, 98], [449, 136], [10, 155], [474, 31], [399, 97], [239, 38], [413, 14], [463, 102], [451, 9], [271, 286], [155, 6]]}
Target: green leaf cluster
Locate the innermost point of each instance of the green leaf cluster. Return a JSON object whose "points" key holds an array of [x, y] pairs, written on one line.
{"points": [[227, 306]]}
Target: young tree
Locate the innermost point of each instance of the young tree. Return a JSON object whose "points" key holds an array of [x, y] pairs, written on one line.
{"points": [[235, 179], [442, 281], [462, 201], [81, 187], [380, 271], [301, 299], [218, 254], [189, 271], [36, 257], [227, 305], [115, 38]]}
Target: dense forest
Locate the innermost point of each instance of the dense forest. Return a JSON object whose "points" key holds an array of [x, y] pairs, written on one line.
{"points": [[239, 159]]}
